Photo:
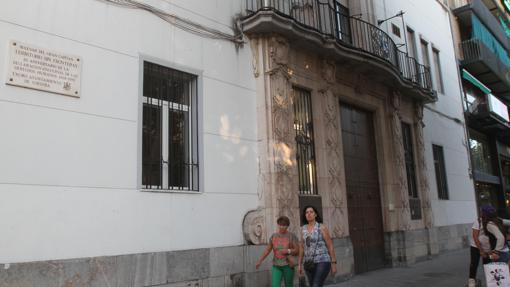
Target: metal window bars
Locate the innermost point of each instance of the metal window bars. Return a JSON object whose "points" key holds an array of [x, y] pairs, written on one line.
{"points": [[170, 136], [305, 149]]}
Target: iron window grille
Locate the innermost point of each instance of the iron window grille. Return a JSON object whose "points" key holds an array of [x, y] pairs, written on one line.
{"points": [[305, 148], [412, 188], [170, 136], [440, 168]]}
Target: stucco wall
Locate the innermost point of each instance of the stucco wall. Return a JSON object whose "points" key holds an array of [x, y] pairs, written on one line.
{"points": [[70, 166], [429, 20]]}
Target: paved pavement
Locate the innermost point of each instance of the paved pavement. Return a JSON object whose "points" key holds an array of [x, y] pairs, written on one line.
{"points": [[449, 269]]}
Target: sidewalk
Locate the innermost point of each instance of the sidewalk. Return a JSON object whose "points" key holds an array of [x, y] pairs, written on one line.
{"points": [[449, 269]]}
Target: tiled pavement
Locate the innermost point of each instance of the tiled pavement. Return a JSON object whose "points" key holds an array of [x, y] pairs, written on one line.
{"points": [[449, 269]]}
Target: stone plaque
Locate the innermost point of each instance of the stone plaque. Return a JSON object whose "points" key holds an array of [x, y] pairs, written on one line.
{"points": [[37, 68]]}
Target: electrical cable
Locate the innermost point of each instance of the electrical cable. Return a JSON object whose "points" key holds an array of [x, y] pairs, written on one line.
{"points": [[180, 22]]}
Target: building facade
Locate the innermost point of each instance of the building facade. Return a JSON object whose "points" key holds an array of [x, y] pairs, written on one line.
{"points": [[154, 143], [482, 40]]}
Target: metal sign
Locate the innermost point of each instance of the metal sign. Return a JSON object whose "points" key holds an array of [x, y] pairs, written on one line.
{"points": [[41, 69]]}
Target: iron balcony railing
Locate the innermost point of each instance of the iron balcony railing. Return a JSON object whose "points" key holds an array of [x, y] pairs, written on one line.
{"points": [[331, 20], [474, 50]]}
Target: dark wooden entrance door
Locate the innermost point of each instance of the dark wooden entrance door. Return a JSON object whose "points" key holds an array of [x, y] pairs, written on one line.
{"points": [[363, 197]]}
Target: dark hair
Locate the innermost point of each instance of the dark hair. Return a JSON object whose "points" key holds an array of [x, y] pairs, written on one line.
{"points": [[303, 215], [283, 221]]}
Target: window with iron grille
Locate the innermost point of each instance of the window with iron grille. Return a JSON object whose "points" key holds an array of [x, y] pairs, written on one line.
{"points": [[439, 166], [170, 137], [305, 149], [414, 201]]}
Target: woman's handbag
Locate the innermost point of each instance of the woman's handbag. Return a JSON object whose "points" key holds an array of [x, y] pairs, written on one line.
{"points": [[291, 260], [497, 274], [309, 265]]}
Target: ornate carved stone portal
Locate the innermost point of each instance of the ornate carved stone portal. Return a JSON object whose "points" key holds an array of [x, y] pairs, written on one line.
{"points": [[279, 173]]}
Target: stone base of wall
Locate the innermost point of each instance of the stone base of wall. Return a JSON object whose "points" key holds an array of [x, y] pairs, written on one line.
{"points": [[408, 247], [216, 267]]}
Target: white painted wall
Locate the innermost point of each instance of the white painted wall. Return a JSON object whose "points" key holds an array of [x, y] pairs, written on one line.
{"points": [[429, 20], [68, 168]]}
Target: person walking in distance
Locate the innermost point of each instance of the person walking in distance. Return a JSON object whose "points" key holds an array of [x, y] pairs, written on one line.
{"points": [[284, 244], [480, 246], [316, 248], [492, 226]]}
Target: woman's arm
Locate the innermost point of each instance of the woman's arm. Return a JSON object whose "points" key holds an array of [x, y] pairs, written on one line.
{"points": [[264, 255], [476, 234], [329, 245], [300, 253], [500, 243], [294, 246]]}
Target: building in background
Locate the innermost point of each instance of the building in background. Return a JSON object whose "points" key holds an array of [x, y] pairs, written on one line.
{"points": [[154, 143], [482, 41]]}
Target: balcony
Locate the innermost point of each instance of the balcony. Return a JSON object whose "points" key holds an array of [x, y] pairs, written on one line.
{"points": [[464, 9], [481, 62], [324, 26], [490, 115]]}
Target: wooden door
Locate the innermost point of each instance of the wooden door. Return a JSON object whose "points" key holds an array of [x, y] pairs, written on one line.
{"points": [[363, 196]]}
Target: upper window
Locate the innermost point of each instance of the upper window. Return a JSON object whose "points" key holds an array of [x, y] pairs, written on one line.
{"points": [[411, 44], [439, 166], [437, 67], [170, 137], [342, 22], [305, 149], [425, 52], [395, 29]]}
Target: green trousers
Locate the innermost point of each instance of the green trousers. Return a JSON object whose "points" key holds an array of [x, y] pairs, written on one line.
{"points": [[282, 271]]}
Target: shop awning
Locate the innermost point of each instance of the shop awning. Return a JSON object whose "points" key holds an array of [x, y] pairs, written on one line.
{"points": [[467, 76]]}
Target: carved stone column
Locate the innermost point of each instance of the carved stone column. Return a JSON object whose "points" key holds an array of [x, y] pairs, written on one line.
{"points": [[422, 167], [400, 184], [278, 185], [334, 203]]}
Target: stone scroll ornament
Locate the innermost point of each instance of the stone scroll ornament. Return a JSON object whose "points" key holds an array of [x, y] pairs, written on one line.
{"points": [[332, 138], [400, 172], [254, 228], [422, 167]]}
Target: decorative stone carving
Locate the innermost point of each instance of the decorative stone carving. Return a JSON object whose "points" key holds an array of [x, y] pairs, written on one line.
{"points": [[361, 85], [254, 43], [331, 113], [284, 176], [328, 71], [400, 172], [278, 52], [422, 167], [254, 228]]}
